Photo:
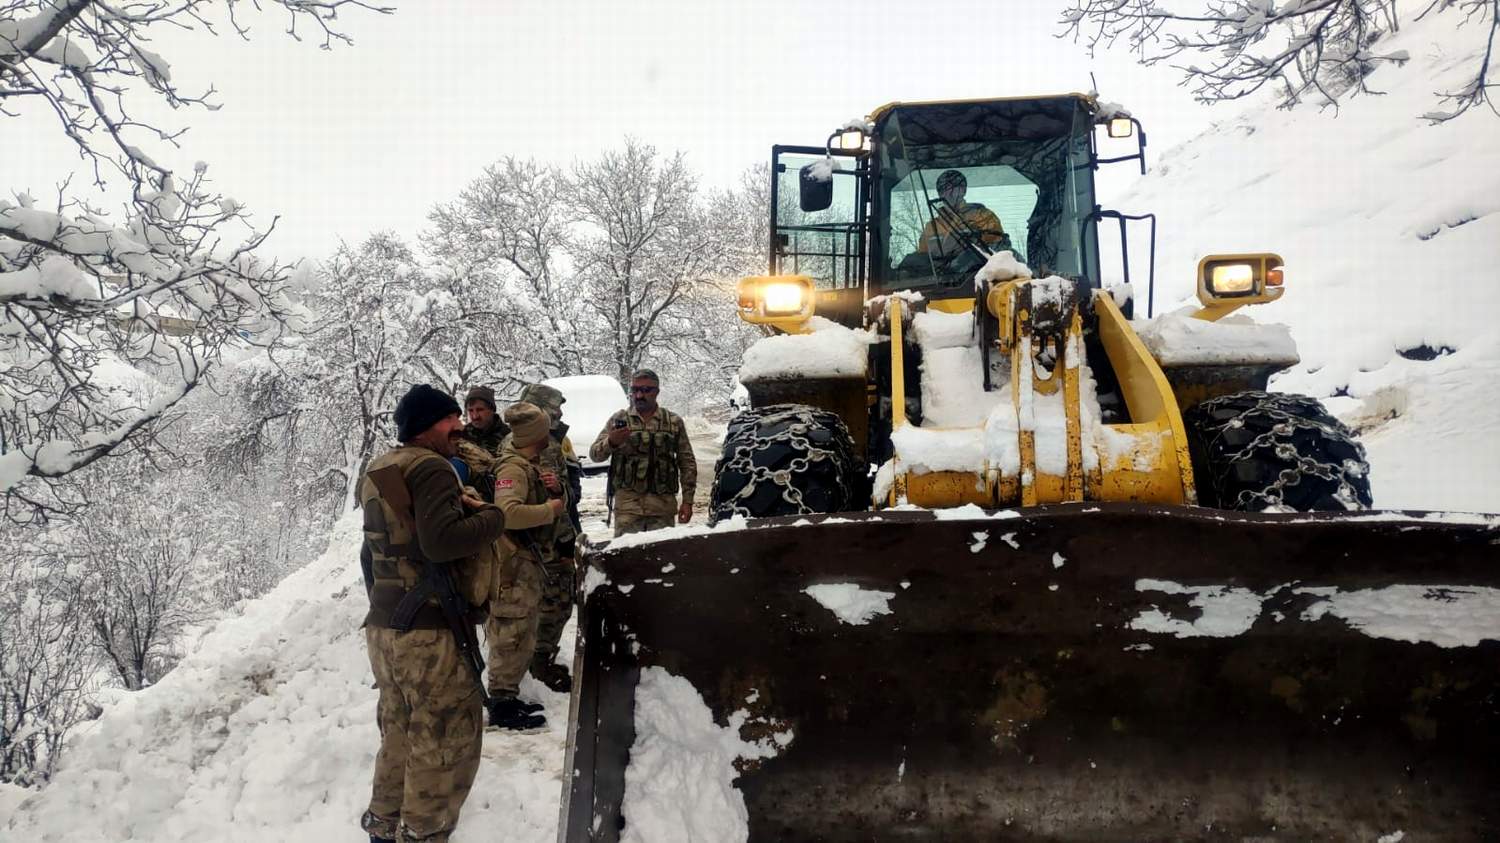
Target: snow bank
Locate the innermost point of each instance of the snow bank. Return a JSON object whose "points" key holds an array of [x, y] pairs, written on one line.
{"points": [[1390, 228], [830, 351], [1177, 339], [266, 731], [679, 784], [850, 603]]}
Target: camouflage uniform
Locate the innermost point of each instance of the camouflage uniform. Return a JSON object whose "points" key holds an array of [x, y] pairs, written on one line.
{"points": [[479, 448], [430, 713], [561, 566], [512, 626], [646, 469]]}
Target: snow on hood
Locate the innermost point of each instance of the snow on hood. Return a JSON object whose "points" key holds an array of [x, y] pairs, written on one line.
{"points": [[1001, 266], [1177, 339], [830, 351]]}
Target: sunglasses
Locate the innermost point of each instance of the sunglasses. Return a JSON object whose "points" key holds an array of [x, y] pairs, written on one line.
{"points": [[644, 389]]}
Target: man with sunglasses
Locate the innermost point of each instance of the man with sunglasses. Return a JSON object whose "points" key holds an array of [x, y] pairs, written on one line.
{"points": [[650, 460]]}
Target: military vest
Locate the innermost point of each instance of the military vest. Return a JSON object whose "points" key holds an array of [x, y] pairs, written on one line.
{"points": [[649, 464], [395, 559]]}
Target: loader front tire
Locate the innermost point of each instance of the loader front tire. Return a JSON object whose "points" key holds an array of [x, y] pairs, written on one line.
{"points": [[787, 459], [1259, 451]]}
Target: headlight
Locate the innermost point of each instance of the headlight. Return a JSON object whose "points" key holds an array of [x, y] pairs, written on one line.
{"points": [[782, 299], [1233, 279], [784, 302], [1226, 282]]}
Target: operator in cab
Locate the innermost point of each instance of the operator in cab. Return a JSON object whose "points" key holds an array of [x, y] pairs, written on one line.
{"points": [[938, 238]]}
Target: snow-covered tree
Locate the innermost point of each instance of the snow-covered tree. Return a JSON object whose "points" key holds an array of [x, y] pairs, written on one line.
{"points": [[141, 581], [621, 262], [46, 668], [160, 285], [383, 320], [508, 236], [1301, 48], [644, 248]]}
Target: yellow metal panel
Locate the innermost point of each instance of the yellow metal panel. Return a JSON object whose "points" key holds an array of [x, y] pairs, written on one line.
{"points": [[951, 305], [1153, 409], [898, 366], [945, 489], [1069, 360], [1020, 385]]}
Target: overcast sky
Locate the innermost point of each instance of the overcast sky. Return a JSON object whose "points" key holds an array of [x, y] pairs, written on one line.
{"points": [[344, 142]]}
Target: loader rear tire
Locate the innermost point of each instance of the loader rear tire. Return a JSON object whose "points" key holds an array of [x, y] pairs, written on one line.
{"points": [[786, 459], [1258, 451]]}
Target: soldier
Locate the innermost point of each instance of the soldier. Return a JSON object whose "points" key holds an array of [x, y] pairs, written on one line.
{"points": [[415, 515], [530, 518], [483, 438], [557, 462], [649, 459]]}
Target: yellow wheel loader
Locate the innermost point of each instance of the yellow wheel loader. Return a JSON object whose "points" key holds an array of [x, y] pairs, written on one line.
{"points": [[992, 561]]}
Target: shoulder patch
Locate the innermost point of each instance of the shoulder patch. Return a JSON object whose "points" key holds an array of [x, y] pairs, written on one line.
{"points": [[505, 483]]}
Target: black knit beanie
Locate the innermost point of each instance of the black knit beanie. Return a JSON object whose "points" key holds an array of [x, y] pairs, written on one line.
{"points": [[420, 408]]}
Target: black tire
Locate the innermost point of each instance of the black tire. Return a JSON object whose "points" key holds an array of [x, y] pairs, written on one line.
{"points": [[787, 459], [1258, 451]]}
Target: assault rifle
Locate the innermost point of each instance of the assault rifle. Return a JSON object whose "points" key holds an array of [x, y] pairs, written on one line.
{"points": [[528, 540], [436, 582]]}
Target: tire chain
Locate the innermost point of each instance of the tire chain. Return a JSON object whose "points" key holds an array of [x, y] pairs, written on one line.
{"points": [[1284, 410], [742, 461]]}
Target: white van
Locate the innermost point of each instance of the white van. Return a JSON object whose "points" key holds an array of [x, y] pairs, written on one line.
{"points": [[591, 400]]}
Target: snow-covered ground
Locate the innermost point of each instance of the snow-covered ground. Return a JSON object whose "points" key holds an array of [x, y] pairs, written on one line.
{"points": [[266, 731], [1391, 234]]}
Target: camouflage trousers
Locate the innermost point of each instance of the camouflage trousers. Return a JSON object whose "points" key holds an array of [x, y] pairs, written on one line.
{"points": [[511, 631], [556, 608], [431, 724], [631, 522]]}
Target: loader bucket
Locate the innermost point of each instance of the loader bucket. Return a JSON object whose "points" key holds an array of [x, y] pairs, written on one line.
{"points": [[1081, 672]]}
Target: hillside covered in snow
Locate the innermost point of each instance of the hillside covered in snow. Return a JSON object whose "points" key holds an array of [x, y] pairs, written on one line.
{"points": [[1390, 229]]}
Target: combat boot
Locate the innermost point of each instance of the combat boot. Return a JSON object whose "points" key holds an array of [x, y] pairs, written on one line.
{"points": [[553, 675], [381, 829], [511, 713]]}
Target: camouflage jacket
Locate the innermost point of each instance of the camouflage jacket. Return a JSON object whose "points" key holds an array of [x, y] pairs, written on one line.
{"points": [[556, 459], [519, 494]]}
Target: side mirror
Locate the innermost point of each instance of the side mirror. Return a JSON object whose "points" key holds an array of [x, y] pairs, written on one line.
{"points": [[815, 186]]}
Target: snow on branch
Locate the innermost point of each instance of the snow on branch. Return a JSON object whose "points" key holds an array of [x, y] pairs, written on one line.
{"points": [[1229, 49], [108, 319]]}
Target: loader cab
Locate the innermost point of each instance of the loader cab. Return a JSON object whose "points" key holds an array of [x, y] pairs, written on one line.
{"points": [[1029, 161]]}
